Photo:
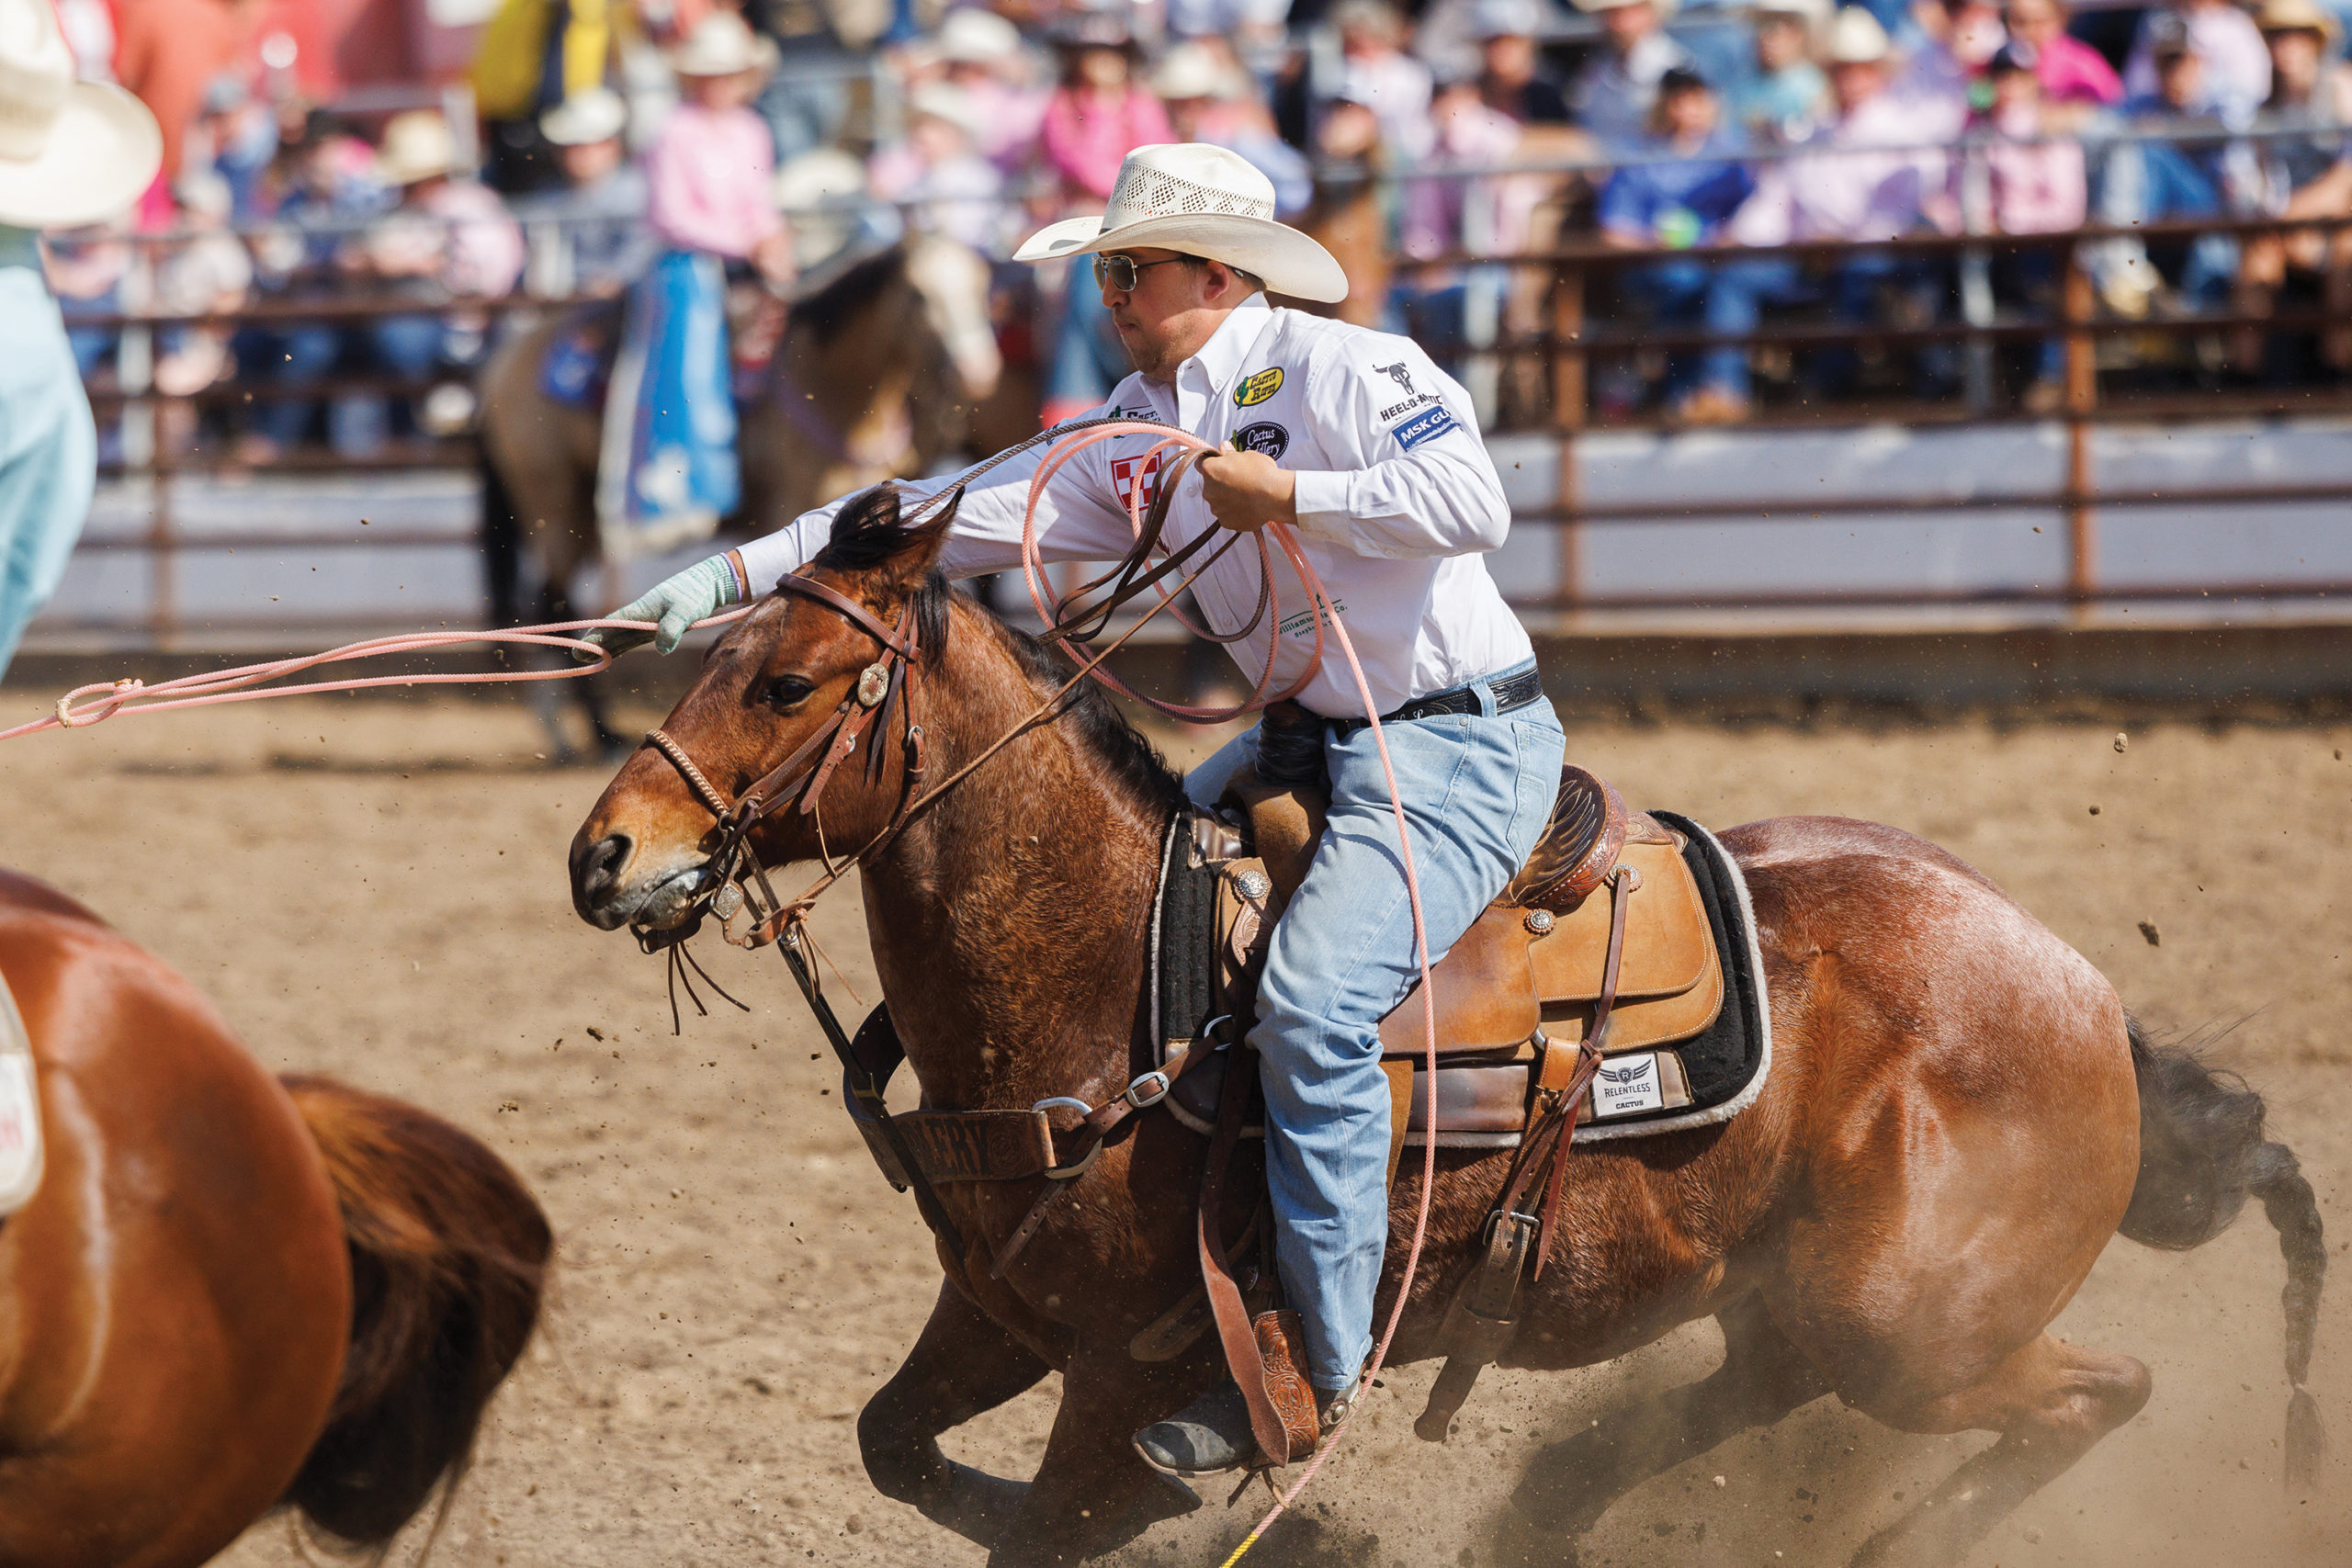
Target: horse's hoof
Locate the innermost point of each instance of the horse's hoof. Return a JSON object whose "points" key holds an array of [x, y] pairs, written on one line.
{"points": [[975, 1505]]}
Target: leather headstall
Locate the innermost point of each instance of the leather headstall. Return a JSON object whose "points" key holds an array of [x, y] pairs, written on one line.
{"points": [[891, 685]]}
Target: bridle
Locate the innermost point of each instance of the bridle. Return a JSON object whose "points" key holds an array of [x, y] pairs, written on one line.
{"points": [[890, 686]]}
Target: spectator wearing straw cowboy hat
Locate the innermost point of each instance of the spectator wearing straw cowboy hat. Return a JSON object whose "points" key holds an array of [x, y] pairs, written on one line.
{"points": [[588, 236], [1355, 439], [71, 152], [2306, 176]]}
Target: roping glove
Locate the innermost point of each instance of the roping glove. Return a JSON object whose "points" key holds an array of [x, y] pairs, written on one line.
{"points": [[676, 603]]}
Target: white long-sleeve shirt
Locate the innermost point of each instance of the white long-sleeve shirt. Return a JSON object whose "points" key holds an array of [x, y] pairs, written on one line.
{"points": [[1397, 503]]}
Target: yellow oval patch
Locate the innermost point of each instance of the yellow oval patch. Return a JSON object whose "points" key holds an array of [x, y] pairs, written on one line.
{"points": [[1258, 388]]}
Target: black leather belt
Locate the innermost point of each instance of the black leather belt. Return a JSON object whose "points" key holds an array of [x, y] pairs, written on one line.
{"points": [[1513, 692]]}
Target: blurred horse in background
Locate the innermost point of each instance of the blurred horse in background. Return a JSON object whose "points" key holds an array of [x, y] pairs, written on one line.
{"points": [[875, 377], [231, 1294]]}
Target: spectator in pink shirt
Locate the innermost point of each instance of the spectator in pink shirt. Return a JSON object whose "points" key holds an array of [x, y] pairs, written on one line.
{"points": [[980, 54], [667, 473], [1100, 113], [2035, 188], [710, 168], [2076, 79]]}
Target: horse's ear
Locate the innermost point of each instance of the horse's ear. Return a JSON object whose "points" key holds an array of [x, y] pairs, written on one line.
{"points": [[875, 531], [923, 534]]}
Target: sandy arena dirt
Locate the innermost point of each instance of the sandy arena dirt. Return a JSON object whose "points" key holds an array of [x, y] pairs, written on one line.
{"points": [[375, 889]]}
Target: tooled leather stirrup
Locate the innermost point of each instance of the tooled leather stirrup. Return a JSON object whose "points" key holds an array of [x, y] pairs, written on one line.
{"points": [[1263, 1353]]}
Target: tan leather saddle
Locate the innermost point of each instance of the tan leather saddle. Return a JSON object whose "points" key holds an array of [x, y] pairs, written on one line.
{"points": [[1600, 947], [1517, 994]]}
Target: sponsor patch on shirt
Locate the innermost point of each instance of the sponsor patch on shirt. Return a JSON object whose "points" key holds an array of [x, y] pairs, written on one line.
{"points": [[1123, 477], [1267, 437], [1425, 425], [1257, 386]]}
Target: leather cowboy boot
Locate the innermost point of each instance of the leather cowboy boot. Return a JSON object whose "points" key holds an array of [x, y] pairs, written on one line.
{"points": [[1212, 1434]]}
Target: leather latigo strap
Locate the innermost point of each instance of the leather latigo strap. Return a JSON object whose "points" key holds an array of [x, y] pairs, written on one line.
{"points": [[1234, 1331]]}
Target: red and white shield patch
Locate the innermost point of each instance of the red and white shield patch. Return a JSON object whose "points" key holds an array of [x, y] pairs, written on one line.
{"points": [[1122, 477]]}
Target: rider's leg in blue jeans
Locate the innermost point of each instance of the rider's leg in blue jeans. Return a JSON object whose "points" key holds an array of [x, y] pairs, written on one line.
{"points": [[1477, 790]]}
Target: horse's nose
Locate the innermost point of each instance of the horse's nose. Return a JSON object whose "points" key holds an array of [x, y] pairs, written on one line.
{"points": [[595, 877]]}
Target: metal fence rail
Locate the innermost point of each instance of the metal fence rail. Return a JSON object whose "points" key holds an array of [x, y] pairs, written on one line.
{"points": [[1557, 354]]}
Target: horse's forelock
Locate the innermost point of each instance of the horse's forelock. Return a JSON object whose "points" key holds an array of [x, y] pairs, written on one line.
{"points": [[870, 533]]}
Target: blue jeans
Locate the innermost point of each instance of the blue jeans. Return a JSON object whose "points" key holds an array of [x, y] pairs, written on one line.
{"points": [[1740, 288], [1477, 790], [1674, 294]]}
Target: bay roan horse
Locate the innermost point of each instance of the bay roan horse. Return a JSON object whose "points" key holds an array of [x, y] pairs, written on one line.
{"points": [[231, 1294], [1959, 1113]]}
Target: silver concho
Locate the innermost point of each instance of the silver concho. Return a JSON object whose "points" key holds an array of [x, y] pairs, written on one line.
{"points": [[873, 684], [1252, 884], [725, 901], [1541, 921]]}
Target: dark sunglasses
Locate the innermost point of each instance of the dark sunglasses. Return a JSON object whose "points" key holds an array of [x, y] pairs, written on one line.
{"points": [[1115, 271]]}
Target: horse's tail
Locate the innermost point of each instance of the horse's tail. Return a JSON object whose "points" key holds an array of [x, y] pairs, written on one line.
{"points": [[448, 1255], [2202, 1154]]}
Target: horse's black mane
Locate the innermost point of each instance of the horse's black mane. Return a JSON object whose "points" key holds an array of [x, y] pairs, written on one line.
{"points": [[867, 532], [1089, 713], [843, 300]]}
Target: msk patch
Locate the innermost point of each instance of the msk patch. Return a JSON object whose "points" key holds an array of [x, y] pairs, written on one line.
{"points": [[1425, 425], [1267, 437], [1257, 386]]}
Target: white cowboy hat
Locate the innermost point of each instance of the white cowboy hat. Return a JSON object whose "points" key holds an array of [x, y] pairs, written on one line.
{"points": [[1594, 7], [973, 37], [722, 45], [1856, 39], [587, 116], [1505, 18], [1813, 12], [940, 100], [1192, 70], [70, 151], [417, 146], [1203, 201]]}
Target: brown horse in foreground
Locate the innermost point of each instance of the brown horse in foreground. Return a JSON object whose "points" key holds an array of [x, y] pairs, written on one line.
{"points": [[231, 1294], [1958, 1115]]}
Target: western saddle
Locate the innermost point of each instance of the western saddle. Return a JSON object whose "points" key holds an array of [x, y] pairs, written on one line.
{"points": [[1548, 981]]}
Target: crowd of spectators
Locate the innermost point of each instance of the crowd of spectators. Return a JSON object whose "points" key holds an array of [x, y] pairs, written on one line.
{"points": [[1415, 143]]}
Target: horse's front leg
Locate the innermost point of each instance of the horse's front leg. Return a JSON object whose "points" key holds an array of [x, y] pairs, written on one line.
{"points": [[1092, 1494], [963, 1363]]}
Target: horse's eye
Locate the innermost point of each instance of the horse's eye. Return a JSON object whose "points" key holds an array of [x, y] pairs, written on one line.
{"points": [[788, 690]]}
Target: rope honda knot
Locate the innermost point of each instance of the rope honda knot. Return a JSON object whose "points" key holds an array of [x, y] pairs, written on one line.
{"points": [[121, 691]]}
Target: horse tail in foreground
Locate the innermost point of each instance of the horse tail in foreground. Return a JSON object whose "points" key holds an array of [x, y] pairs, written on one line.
{"points": [[2202, 1154], [448, 1256]]}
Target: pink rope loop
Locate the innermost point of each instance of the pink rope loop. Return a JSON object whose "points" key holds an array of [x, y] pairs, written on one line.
{"points": [[86, 705]]}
